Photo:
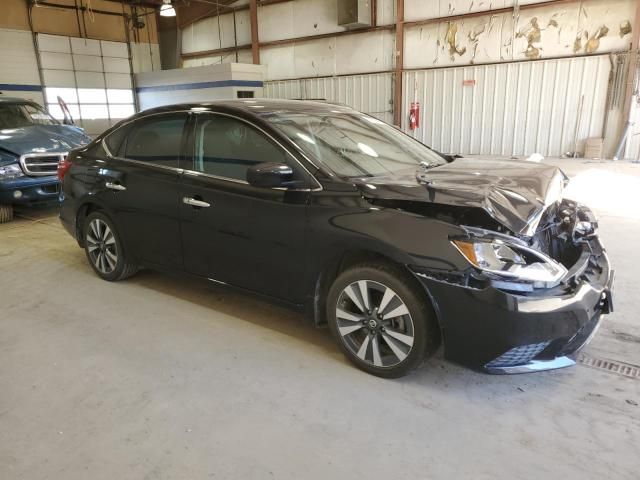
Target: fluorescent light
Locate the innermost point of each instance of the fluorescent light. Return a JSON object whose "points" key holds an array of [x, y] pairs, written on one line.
{"points": [[167, 9]]}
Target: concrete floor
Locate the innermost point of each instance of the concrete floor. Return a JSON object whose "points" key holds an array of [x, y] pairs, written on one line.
{"points": [[160, 377]]}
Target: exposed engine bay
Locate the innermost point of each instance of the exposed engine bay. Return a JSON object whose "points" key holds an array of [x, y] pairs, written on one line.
{"points": [[566, 234]]}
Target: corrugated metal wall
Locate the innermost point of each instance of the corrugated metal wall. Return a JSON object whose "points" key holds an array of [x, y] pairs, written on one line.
{"points": [[633, 142], [370, 93], [510, 109]]}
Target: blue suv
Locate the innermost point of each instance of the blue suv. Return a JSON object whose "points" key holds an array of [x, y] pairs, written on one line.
{"points": [[32, 144]]}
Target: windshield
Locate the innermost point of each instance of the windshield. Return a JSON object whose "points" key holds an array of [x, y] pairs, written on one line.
{"points": [[353, 144], [17, 115]]}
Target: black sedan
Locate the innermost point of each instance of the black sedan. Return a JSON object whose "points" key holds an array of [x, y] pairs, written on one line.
{"points": [[394, 246]]}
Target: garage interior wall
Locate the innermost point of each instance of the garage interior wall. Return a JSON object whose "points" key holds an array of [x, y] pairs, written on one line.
{"points": [[93, 48], [459, 57]]}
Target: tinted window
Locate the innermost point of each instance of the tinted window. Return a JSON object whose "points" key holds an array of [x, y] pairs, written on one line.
{"points": [[157, 140], [115, 140], [226, 147]]}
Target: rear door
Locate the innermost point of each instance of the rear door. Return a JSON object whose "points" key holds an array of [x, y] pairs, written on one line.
{"points": [[141, 187], [231, 231]]}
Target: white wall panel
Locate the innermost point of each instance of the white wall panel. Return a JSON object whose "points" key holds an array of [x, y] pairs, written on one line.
{"points": [[358, 53], [587, 27], [56, 61], [118, 80], [116, 65], [85, 46], [53, 43], [213, 33], [90, 79], [59, 78], [367, 52], [367, 93], [386, 12], [244, 56], [114, 49], [279, 62], [425, 9], [89, 63], [513, 109], [145, 57], [297, 19], [19, 61]]}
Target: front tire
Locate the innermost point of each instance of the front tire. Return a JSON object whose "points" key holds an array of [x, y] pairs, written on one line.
{"points": [[105, 250], [6, 213], [381, 319]]}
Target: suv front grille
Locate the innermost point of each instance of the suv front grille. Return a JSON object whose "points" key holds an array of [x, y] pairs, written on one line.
{"points": [[41, 164]]}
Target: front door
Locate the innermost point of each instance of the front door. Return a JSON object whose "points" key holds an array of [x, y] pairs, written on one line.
{"points": [[231, 231]]}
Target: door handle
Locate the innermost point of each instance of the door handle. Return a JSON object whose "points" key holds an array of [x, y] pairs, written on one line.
{"points": [[115, 186], [195, 202]]}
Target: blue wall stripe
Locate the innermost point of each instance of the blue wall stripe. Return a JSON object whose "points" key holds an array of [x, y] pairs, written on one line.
{"points": [[13, 87], [193, 86]]}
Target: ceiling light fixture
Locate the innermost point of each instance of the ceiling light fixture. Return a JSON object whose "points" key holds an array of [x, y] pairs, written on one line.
{"points": [[167, 9]]}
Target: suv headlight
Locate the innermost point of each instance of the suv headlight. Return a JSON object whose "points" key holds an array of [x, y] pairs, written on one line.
{"points": [[10, 171], [9, 167], [510, 262]]}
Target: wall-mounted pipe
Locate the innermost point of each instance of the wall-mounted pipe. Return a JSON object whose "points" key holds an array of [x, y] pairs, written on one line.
{"points": [[399, 64]]}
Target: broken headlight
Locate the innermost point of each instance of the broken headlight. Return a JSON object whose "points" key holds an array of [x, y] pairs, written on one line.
{"points": [[9, 167], [10, 171], [513, 266]]}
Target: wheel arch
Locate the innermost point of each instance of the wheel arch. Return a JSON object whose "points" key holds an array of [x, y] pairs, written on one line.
{"points": [[352, 257], [87, 208]]}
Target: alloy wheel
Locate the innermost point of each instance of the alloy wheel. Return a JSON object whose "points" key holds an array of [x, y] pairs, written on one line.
{"points": [[102, 247], [374, 323]]}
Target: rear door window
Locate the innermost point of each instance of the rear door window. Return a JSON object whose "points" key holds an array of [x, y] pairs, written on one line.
{"points": [[157, 140]]}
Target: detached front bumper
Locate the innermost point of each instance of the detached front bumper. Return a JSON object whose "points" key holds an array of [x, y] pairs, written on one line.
{"points": [[503, 332], [27, 190]]}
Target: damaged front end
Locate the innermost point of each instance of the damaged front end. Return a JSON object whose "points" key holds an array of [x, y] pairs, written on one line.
{"points": [[564, 245], [525, 303]]}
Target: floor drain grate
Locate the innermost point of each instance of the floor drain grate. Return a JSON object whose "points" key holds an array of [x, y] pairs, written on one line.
{"points": [[621, 368]]}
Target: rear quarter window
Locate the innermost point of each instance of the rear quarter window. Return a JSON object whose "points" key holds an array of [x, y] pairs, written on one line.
{"points": [[115, 140]]}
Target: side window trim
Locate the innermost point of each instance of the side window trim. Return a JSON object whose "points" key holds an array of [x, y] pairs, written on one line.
{"points": [[288, 154]]}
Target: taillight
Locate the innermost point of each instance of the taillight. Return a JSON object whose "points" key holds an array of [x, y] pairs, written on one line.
{"points": [[63, 167]]}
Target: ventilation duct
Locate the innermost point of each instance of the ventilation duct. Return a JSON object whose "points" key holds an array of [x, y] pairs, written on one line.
{"points": [[354, 13]]}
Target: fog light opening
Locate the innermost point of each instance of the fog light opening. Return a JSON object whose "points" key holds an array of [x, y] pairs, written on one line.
{"points": [[17, 194]]}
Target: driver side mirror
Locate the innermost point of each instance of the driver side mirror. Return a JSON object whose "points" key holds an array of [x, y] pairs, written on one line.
{"points": [[269, 175]]}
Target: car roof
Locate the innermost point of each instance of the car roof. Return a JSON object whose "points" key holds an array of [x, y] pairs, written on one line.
{"points": [[257, 106]]}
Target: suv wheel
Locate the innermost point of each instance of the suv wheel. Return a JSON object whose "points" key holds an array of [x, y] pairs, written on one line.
{"points": [[104, 249], [383, 321], [6, 213]]}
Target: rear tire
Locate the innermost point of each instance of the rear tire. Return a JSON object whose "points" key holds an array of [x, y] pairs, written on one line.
{"points": [[6, 213], [381, 319], [105, 250]]}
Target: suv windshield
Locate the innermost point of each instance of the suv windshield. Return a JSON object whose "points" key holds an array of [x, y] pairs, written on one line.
{"points": [[354, 145], [16, 115]]}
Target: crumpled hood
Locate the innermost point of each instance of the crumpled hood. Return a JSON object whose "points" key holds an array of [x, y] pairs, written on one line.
{"points": [[42, 139], [515, 193]]}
